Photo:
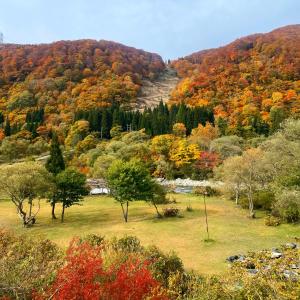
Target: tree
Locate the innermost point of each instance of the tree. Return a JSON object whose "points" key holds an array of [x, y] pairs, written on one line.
{"points": [[204, 135], [179, 130], [129, 181], [70, 189], [227, 146], [7, 128], [23, 182], [230, 174], [55, 164]]}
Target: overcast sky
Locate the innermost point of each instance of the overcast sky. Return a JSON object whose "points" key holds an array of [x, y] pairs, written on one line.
{"points": [[172, 28]]}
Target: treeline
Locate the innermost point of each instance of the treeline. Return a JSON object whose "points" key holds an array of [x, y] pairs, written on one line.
{"points": [[158, 120]]}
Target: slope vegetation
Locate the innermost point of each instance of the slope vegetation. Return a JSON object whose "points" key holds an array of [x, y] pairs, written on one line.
{"points": [[68, 75], [252, 82]]}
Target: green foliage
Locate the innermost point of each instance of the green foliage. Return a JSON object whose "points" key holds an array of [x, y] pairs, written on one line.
{"points": [[23, 100], [93, 239], [205, 190], [129, 181], [70, 188], [27, 264], [13, 148], [261, 200], [163, 266], [288, 206], [55, 162], [22, 183], [127, 244]]}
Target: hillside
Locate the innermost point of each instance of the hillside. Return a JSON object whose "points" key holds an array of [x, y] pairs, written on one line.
{"points": [[251, 83], [65, 76]]}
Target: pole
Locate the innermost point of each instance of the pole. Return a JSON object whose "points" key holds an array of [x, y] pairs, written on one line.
{"points": [[206, 216]]}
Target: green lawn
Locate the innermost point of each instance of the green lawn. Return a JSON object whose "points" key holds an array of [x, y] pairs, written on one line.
{"points": [[230, 228]]}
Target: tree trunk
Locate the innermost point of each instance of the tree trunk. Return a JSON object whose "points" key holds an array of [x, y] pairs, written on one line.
{"points": [[237, 195], [251, 205], [206, 221], [53, 211], [30, 208], [126, 218], [62, 214], [158, 213]]}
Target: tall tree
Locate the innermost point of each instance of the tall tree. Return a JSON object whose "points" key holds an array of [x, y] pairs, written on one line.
{"points": [[129, 181], [70, 189], [55, 164], [7, 128]]}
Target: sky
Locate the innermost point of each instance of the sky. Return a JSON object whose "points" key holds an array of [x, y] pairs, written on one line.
{"points": [[171, 28]]}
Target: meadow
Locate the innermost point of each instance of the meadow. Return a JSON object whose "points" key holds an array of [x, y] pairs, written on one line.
{"points": [[230, 228]]}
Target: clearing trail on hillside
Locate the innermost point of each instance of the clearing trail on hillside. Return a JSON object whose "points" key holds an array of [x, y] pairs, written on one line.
{"points": [[157, 90]]}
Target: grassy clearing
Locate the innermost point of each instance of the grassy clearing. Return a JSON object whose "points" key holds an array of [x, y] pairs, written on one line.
{"points": [[229, 226]]}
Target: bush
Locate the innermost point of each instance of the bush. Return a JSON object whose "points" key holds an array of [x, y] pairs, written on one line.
{"points": [[85, 277], [26, 264], [272, 221], [261, 200], [163, 266], [287, 206], [205, 190], [93, 239], [127, 244], [171, 212]]}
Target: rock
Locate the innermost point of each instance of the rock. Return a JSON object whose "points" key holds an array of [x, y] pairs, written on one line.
{"points": [[295, 267], [275, 254], [291, 275], [232, 258], [250, 266], [241, 258], [291, 245], [252, 271]]}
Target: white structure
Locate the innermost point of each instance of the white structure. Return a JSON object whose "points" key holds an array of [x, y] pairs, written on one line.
{"points": [[99, 191]]}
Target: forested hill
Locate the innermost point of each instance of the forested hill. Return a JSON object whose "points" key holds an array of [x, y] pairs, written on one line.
{"points": [[66, 76], [252, 82]]}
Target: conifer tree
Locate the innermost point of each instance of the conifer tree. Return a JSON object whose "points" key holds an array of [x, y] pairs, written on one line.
{"points": [[55, 164], [7, 129]]}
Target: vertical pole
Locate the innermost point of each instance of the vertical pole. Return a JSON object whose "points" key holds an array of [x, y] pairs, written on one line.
{"points": [[206, 216]]}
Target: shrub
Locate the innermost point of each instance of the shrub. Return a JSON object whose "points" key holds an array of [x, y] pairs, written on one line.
{"points": [[163, 266], [272, 221], [127, 244], [93, 239], [84, 277], [261, 200], [288, 206], [205, 190], [170, 212], [26, 263]]}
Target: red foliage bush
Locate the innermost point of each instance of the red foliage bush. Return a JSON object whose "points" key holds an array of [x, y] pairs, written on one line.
{"points": [[84, 277]]}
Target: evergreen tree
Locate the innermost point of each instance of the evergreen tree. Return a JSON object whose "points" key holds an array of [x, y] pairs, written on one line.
{"points": [[7, 129], [55, 164]]}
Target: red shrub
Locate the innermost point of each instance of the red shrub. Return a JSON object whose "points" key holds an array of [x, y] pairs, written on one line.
{"points": [[83, 277]]}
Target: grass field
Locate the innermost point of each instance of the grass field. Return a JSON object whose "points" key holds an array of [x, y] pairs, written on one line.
{"points": [[231, 230]]}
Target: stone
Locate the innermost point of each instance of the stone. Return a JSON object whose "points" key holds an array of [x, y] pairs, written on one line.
{"points": [[275, 254], [291, 245], [295, 267], [232, 258], [252, 271], [291, 275]]}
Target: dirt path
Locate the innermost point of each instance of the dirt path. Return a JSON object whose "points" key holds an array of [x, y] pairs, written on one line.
{"points": [[155, 91]]}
